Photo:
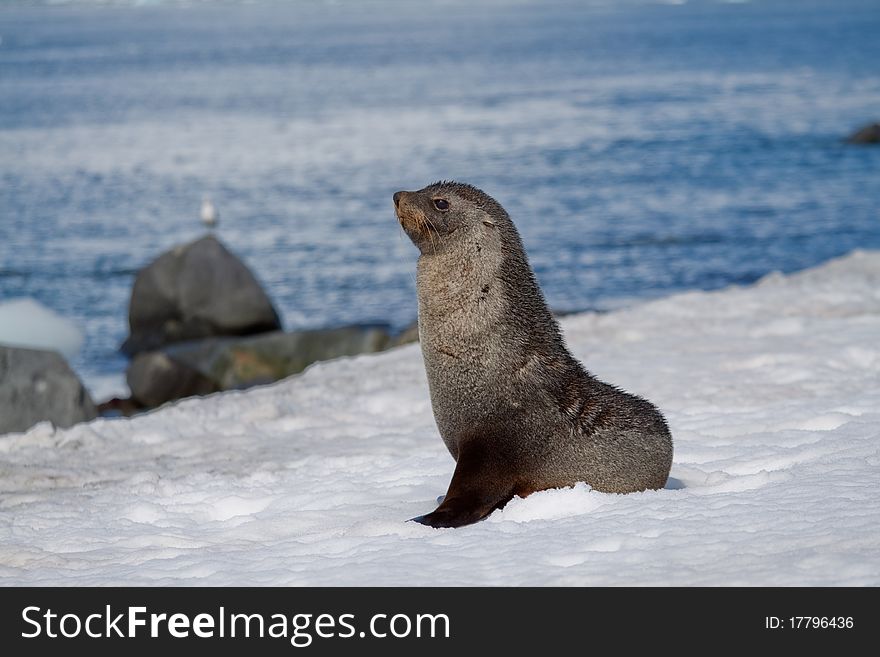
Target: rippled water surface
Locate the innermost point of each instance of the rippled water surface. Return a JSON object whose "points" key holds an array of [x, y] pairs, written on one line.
{"points": [[641, 148]]}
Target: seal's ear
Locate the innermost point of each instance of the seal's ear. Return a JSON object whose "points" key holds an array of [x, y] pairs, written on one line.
{"points": [[489, 223]]}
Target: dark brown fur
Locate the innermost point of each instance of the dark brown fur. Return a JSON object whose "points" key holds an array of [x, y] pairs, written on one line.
{"points": [[517, 412]]}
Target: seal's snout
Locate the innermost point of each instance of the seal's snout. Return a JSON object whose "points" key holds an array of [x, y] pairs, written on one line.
{"points": [[410, 216]]}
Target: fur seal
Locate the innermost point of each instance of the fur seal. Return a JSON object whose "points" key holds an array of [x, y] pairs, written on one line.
{"points": [[516, 410]]}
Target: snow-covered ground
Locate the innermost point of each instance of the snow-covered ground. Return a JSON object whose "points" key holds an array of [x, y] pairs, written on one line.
{"points": [[772, 393]]}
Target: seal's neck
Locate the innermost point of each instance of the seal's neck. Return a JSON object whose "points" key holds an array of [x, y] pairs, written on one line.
{"points": [[480, 283], [534, 324]]}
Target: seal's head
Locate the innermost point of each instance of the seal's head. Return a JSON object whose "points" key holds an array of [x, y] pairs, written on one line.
{"points": [[432, 215]]}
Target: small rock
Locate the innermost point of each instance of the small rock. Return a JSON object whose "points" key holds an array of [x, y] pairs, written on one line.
{"points": [[39, 385], [407, 336], [870, 134], [154, 379], [116, 407]]}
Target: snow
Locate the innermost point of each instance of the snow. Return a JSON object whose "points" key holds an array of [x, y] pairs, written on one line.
{"points": [[771, 392], [28, 323]]}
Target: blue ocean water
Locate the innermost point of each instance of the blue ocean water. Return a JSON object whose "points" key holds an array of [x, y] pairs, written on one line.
{"points": [[642, 148]]}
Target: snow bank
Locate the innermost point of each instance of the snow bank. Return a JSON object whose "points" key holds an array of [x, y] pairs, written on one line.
{"points": [[771, 392], [28, 323]]}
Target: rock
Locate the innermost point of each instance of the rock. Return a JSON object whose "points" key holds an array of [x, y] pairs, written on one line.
{"points": [[195, 291], [200, 367], [243, 362], [154, 379], [870, 134], [407, 336], [117, 407], [39, 385]]}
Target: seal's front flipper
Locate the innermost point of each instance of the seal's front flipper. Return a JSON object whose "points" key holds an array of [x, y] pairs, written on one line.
{"points": [[482, 482], [465, 513]]}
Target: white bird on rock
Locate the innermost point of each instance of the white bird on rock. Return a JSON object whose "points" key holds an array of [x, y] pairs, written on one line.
{"points": [[209, 213]]}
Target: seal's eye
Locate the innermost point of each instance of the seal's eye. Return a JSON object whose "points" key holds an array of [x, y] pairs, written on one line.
{"points": [[441, 204]]}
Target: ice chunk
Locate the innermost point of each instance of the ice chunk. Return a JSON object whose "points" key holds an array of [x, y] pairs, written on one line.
{"points": [[28, 323]]}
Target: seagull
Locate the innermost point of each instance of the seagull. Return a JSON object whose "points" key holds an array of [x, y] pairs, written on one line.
{"points": [[209, 213]]}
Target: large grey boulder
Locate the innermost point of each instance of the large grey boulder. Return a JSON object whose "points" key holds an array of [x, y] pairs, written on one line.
{"points": [[39, 385], [195, 291], [870, 134]]}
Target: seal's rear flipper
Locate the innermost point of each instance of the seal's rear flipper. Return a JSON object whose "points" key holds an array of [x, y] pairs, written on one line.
{"points": [[482, 482]]}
